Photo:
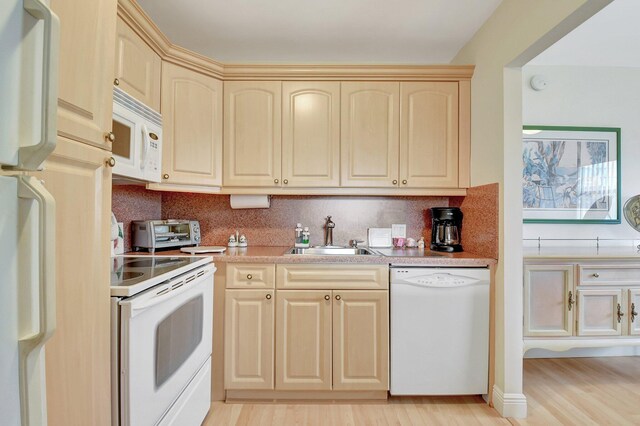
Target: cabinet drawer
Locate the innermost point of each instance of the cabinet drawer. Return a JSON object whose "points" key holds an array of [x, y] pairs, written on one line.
{"points": [[333, 276], [609, 275], [250, 275]]}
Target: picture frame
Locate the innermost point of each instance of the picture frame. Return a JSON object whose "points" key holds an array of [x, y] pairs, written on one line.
{"points": [[571, 175]]}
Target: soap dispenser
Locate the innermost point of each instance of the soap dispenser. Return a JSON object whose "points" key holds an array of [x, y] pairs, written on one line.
{"points": [[298, 241]]}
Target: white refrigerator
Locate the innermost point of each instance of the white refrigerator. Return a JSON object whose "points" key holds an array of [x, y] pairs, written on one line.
{"points": [[29, 40]]}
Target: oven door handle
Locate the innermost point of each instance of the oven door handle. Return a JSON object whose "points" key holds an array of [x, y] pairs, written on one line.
{"points": [[173, 292]]}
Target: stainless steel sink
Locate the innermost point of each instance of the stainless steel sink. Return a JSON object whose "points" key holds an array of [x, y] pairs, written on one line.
{"points": [[340, 251]]}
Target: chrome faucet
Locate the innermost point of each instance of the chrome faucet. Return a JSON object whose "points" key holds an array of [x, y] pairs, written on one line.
{"points": [[328, 232]]}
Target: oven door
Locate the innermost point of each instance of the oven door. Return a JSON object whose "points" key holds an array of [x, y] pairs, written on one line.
{"points": [[165, 339]]}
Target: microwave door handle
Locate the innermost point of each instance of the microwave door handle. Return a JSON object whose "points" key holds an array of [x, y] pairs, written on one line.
{"points": [[146, 146], [30, 345], [31, 157]]}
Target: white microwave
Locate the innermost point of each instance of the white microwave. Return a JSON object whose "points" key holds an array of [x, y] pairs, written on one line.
{"points": [[137, 147]]}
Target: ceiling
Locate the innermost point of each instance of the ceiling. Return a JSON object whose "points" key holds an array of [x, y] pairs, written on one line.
{"points": [[610, 38], [321, 31]]}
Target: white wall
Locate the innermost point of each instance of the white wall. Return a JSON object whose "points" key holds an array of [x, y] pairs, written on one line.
{"points": [[516, 33], [590, 97]]}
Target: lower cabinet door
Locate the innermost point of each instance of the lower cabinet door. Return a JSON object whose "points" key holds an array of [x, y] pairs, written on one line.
{"points": [[600, 312], [249, 345], [548, 300], [303, 336], [634, 308], [360, 340]]}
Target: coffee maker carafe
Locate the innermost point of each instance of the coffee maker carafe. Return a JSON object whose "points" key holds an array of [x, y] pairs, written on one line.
{"points": [[446, 224]]}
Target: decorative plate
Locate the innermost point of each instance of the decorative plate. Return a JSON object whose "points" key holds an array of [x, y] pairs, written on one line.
{"points": [[632, 212], [203, 249]]}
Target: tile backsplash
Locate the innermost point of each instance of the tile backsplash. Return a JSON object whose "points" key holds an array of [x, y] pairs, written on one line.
{"points": [[275, 226]]}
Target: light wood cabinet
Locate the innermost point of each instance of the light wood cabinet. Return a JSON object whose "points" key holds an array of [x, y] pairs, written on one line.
{"points": [[360, 340], [251, 275], [252, 133], [310, 134], [303, 336], [307, 276], [369, 133], [429, 135], [86, 54], [192, 130], [137, 67], [549, 299], [249, 339], [599, 312], [78, 354]]}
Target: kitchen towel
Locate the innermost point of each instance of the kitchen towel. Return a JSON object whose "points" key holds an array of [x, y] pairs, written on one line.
{"points": [[250, 201]]}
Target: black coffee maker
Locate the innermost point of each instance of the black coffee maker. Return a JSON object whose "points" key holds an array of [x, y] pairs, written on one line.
{"points": [[446, 225]]}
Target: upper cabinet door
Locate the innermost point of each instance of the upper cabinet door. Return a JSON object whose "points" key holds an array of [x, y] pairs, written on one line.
{"points": [[85, 92], [311, 134], [252, 140], [137, 67], [192, 127], [369, 132], [429, 135]]}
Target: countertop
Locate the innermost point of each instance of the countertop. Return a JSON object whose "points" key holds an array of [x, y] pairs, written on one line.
{"points": [[263, 254], [604, 253]]}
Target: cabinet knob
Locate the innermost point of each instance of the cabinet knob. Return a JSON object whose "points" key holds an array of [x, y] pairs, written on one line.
{"points": [[395, 182], [268, 296], [276, 181], [116, 82], [165, 176], [111, 162], [620, 313], [249, 276], [285, 181], [110, 137], [596, 275], [404, 182], [570, 302], [633, 312], [338, 297], [327, 297]]}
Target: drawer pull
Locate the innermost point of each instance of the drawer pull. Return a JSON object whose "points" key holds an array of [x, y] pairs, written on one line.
{"points": [[596, 275], [571, 301], [633, 312], [327, 297], [268, 296], [338, 297], [249, 276], [620, 314]]}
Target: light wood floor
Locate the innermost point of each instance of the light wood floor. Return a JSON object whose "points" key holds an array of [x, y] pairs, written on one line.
{"points": [[582, 391], [570, 391]]}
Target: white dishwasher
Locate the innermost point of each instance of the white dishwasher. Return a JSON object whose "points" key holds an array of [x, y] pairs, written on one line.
{"points": [[439, 330]]}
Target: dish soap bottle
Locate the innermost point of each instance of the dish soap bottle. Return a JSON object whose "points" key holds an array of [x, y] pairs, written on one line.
{"points": [[305, 237], [298, 242]]}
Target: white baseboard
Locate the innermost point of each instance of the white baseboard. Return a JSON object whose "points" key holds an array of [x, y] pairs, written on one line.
{"points": [[509, 404]]}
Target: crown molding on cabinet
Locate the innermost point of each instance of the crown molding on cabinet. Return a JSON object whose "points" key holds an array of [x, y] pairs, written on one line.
{"points": [[139, 21]]}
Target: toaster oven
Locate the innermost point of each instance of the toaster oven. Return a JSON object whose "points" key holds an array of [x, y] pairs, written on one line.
{"points": [[161, 234]]}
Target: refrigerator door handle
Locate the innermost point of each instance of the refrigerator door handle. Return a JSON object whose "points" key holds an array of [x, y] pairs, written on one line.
{"points": [[31, 157], [29, 346]]}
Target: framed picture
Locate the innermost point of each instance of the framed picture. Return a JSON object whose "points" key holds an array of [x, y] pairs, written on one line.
{"points": [[571, 174]]}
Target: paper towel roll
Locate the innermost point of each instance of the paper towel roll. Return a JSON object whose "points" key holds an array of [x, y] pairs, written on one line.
{"points": [[250, 201]]}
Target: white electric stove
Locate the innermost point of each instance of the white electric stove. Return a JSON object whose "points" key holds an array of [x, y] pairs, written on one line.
{"points": [[161, 338]]}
